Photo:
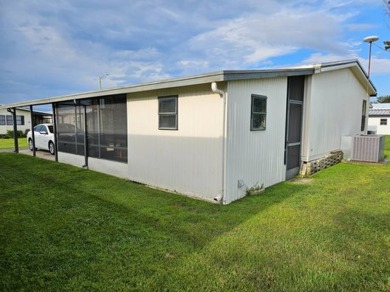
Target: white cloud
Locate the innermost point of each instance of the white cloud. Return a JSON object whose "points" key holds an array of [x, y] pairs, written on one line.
{"points": [[59, 47], [258, 36], [320, 58], [379, 66]]}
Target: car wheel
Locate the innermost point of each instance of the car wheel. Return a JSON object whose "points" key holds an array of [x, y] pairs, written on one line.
{"points": [[30, 145], [51, 148]]}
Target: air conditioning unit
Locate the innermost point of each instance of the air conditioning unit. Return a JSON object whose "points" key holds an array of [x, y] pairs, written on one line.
{"points": [[369, 148]]}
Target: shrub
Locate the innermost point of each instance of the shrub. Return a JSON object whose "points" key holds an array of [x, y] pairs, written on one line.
{"points": [[10, 134]]}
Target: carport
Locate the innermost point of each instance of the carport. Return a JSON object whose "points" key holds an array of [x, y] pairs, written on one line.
{"points": [[88, 125], [36, 117]]}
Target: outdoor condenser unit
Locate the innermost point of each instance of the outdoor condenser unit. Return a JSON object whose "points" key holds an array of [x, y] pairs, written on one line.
{"points": [[368, 148]]}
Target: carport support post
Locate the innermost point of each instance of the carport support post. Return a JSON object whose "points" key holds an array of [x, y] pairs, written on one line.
{"points": [[85, 137], [32, 129], [53, 105], [16, 143]]}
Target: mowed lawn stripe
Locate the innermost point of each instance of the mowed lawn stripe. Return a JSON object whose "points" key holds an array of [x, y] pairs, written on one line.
{"points": [[65, 228]]}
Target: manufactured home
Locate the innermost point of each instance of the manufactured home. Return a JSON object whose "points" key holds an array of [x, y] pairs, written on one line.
{"points": [[379, 118], [23, 120], [215, 136]]}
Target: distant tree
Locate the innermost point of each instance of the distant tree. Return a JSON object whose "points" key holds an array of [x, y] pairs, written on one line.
{"points": [[383, 99]]}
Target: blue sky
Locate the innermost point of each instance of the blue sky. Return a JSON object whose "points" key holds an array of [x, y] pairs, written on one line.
{"points": [[52, 48]]}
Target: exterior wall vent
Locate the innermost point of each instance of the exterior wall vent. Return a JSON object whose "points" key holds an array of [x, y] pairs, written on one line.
{"points": [[369, 148]]}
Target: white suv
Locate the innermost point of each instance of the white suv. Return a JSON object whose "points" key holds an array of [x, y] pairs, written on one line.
{"points": [[44, 138]]}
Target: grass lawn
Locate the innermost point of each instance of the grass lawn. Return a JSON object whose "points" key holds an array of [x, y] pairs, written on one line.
{"points": [[387, 147], [65, 228], [9, 143]]}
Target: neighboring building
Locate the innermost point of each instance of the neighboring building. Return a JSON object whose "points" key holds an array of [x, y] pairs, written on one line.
{"points": [[214, 136], [379, 118], [23, 120]]}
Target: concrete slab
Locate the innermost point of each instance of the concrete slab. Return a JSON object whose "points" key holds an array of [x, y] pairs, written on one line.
{"points": [[39, 153]]}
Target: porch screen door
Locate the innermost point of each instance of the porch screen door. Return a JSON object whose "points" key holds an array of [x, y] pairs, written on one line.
{"points": [[295, 93]]}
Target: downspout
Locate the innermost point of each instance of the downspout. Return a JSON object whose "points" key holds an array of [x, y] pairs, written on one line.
{"points": [[220, 198], [306, 141]]}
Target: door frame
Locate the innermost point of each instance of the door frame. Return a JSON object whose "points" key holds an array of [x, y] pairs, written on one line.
{"points": [[291, 85]]}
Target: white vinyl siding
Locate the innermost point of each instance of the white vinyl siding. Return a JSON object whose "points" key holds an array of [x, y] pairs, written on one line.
{"points": [[255, 157], [377, 124], [188, 160], [23, 120], [332, 111]]}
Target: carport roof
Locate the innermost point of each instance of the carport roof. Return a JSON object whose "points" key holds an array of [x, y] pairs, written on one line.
{"points": [[220, 76]]}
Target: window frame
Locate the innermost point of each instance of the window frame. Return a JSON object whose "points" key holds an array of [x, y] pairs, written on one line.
{"points": [[165, 114], [3, 121], [253, 98], [9, 120], [383, 122], [20, 120], [364, 116]]}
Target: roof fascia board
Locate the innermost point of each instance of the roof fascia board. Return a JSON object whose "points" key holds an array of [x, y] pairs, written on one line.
{"points": [[171, 83], [255, 74], [178, 82]]}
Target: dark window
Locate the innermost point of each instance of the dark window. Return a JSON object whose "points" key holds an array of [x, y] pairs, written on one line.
{"points": [[38, 128], [258, 112], [10, 120], [20, 120], [167, 113], [383, 122], [44, 129], [364, 110], [2, 120]]}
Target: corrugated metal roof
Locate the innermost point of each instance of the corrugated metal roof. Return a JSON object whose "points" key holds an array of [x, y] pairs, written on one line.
{"points": [[379, 112], [379, 109], [220, 76], [381, 106]]}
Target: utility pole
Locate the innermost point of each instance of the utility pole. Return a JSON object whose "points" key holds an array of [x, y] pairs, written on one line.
{"points": [[100, 80], [370, 40]]}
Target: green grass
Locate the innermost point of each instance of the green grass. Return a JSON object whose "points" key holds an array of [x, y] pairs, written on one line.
{"points": [[387, 147], [9, 143], [65, 228]]}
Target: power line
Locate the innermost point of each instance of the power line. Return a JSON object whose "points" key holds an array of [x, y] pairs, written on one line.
{"points": [[387, 43]]}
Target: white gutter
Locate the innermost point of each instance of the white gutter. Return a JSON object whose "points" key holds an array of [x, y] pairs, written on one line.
{"points": [[305, 141], [215, 89]]}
